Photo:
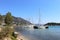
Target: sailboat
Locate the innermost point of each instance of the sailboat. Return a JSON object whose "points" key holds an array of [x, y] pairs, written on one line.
{"points": [[40, 26]]}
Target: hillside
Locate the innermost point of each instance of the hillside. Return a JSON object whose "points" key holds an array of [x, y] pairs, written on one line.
{"points": [[19, 20]]}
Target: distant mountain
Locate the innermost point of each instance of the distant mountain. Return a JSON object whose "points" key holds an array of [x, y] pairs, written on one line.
{"points": [[20, 20]]}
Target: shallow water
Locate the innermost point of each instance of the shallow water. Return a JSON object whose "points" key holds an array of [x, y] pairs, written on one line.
{"points": [[52, 33]]}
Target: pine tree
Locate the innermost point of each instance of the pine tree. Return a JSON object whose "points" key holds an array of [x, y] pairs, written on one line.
{"points": [[8, 18]]}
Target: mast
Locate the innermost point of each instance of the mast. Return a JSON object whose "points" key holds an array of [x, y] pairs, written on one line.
{"points": [[39, 16]]}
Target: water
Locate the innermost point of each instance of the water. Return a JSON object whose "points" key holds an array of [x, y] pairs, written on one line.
{"points": [[52, 33]]}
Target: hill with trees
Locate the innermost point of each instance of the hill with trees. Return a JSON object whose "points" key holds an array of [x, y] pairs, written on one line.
{"points": [[52, 24]]}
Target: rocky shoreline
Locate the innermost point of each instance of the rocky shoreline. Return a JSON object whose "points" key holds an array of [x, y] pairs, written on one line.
{"points": [[21, 37]]}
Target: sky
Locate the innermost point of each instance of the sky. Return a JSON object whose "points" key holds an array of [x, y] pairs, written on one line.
{"points": [[29, 10]]}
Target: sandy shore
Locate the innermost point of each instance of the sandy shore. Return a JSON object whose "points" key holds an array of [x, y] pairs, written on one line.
{"points": [[21, 37]]}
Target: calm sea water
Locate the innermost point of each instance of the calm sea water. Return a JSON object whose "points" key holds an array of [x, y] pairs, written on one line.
{"points": [[52, 33]]}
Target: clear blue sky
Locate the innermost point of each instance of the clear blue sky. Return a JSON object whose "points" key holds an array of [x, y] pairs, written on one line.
{"points": [[29, 9]]}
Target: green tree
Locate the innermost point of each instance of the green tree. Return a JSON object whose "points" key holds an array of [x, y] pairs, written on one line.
{"points": [[1, 18], [8, 18]]}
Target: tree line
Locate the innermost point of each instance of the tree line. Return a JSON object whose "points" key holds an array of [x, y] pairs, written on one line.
{"points": [[52, 24]]}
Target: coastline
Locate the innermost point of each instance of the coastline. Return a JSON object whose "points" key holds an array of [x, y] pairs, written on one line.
{"points": [[21, 37]]}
